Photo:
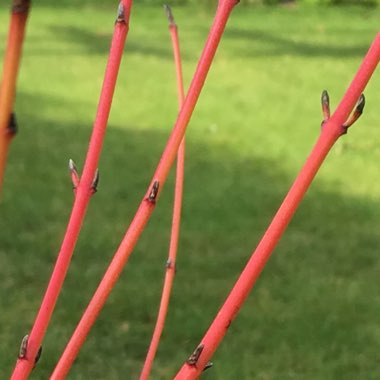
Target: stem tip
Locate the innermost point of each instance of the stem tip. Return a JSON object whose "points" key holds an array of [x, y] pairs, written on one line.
{"points": [[20, 6], [72, 166], [169, 15], [120, 14]]}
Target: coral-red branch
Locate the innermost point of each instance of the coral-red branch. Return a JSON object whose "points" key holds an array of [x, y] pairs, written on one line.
{"points": [[149, 201], [84, 190], [171, 263], [332, 129], [12, 59]]}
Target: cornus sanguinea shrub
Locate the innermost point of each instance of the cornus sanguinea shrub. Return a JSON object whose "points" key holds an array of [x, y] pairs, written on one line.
{"points": [[333, 127]]}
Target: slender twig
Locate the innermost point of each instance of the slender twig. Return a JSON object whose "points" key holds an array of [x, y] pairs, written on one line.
{"points": [[84, 188], [332, 128], [171, 262], [147, 205], [12, 59]]}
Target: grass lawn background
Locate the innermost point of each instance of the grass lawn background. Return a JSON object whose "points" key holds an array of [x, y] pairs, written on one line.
{"points": [[314, 313]]}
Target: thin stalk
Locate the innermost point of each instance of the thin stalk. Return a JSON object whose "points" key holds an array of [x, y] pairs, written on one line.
{"points": [[332, 129], [12, 59], [148, 203], [176, 221], [84, 188]]}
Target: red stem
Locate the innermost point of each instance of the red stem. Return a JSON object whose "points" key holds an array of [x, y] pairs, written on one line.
{"points": [[332, 130], [12, 59], [83, 193], [171, 263], [148, 203]]}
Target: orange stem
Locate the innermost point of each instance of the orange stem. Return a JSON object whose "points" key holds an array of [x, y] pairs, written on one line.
{"points": [[19, 16], [147, 205], [171, 263], [86, 187]]}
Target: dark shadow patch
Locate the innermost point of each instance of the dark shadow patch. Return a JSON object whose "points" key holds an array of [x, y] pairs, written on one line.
{"points": [[304, 309], [98, 43], [267, 43]]}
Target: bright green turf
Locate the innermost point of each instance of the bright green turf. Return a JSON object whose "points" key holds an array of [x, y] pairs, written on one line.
{"points": [[314, 314]]}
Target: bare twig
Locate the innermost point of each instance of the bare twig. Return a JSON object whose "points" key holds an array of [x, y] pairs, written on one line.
{"points": [[146, 207], [84, 187], [332, 129], [171, 262]]}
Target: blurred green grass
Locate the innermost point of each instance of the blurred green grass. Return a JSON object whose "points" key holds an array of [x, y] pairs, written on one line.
{"points": [[314, 312]]}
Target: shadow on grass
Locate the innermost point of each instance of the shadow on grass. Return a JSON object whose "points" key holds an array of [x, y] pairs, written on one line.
{"points": [[315, 303], [99, 43], [263, 43], [275, 44]]}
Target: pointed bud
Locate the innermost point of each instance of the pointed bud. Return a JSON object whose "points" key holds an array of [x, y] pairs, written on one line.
{"points": [[169, 15], [74, 174], [38, 356], [325, 100], [95, 182], [120, 14], [207, 366], [23, 347], [361, 104], [194, 357], [356, 114], [154, 192], [72, 166]]}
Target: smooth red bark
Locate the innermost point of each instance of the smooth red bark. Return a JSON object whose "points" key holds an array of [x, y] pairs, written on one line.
{"points": [[148, 203], [83, 194], [174, 238], [332, 130]]}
